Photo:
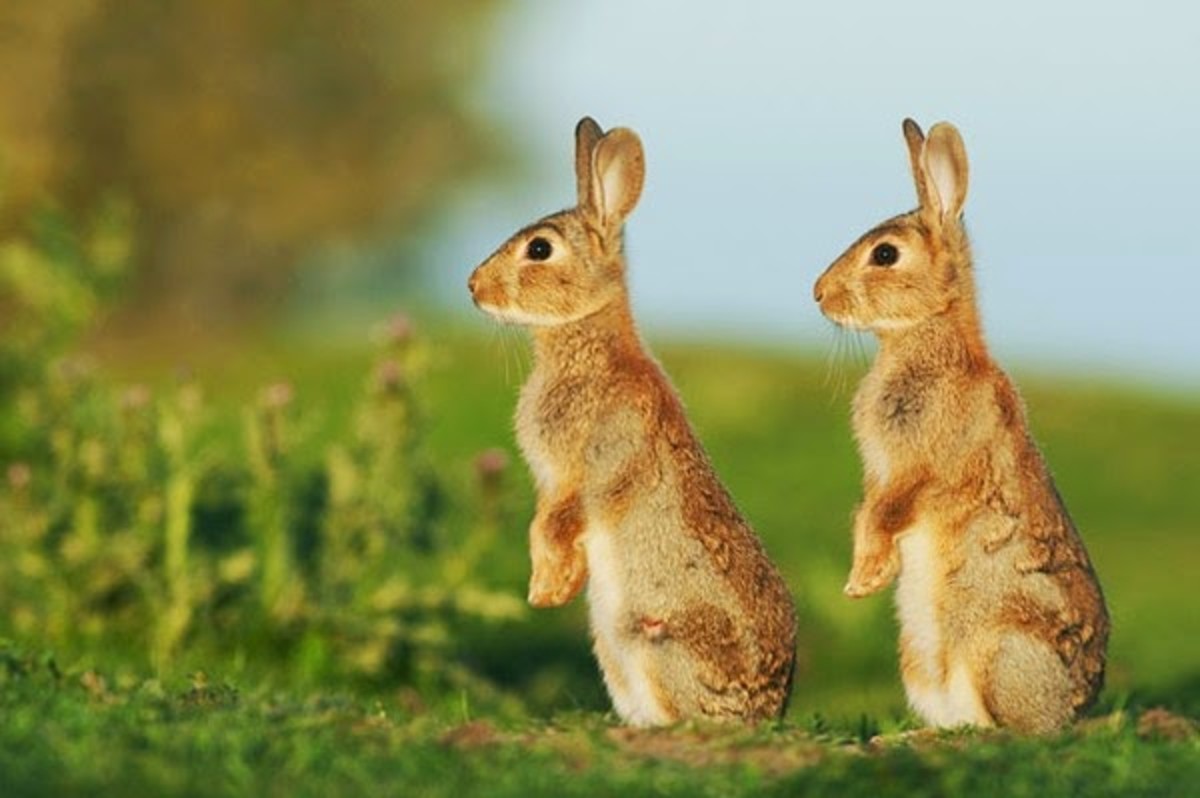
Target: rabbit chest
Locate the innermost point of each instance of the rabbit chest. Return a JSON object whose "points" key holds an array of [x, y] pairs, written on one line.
{"points": [[551, 423], [891, 413]]}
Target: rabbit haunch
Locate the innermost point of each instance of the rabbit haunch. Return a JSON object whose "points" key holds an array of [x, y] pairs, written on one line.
{"points": [[689, 618], [1002, 619]]}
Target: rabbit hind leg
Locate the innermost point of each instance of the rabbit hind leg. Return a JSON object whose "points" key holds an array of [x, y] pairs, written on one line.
{"points": [[1027, 686]]}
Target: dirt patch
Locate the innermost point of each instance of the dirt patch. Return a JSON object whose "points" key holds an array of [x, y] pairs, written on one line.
{"points": [[1161, 724], [783, 753], [476, 734]]}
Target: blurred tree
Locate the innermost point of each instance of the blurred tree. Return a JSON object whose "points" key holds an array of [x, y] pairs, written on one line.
{"points": [[243, 133]]}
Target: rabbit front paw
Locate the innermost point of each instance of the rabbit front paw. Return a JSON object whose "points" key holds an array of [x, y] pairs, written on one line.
{"points": [[870, 574], [553, 584]]}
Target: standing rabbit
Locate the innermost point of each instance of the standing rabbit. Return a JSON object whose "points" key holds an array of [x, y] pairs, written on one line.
{"points": [[1002, 621], [689, 617]]}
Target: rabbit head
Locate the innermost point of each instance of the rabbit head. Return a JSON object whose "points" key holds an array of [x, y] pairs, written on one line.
{"points": [[915, 266], [569, 265]]}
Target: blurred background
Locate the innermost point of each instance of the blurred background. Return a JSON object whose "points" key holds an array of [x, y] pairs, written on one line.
{"points": [[773, 140], [207, 208], [275, 158]]}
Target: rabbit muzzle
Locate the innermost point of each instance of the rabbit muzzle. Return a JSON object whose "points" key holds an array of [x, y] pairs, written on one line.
{"points": [[487, 292]]}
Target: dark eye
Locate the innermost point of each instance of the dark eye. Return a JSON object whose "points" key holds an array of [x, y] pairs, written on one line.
{"points": [[538, 249], [884, 255]]}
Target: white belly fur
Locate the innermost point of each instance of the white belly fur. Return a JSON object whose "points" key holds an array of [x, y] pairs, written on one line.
{"points": [[631, 689], [875, 459], [540, 465], [941, 698]]}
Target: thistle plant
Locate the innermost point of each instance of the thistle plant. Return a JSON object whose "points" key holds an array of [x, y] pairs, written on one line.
{"points": [[184, 463], [270, 441], [378, 531]]}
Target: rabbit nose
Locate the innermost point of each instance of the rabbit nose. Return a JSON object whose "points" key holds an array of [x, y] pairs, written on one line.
{"points": [[473, 282], [818, 291]]}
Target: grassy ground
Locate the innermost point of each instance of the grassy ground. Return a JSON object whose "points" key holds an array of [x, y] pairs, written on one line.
{"points": [[71, 733], [776, 427]]}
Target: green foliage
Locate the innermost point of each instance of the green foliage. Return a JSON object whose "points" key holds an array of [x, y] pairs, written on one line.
{"points": [[54, 279], [135, 529]]}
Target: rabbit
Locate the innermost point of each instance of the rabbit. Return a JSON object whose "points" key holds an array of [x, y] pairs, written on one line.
{"points": [[689, 618], [1002, 620]]}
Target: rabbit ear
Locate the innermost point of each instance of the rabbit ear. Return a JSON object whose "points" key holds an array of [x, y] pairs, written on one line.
{"points": [[939, 167], [618, 171], [915, 140], [587, 133], [944, 164]]}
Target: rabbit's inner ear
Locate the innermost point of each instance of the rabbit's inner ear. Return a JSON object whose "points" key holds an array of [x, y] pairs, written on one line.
{"points": [[618, 173], [946, 169], [941, 173]]}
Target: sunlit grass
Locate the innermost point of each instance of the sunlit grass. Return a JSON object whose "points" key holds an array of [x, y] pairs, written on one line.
{"points": [[70, 732]]}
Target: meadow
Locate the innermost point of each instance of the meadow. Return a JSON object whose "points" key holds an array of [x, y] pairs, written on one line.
{"points": [[298, 568]]}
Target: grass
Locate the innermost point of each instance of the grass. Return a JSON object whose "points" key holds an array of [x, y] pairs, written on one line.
{"points": [[775, 424], [69, 733]]}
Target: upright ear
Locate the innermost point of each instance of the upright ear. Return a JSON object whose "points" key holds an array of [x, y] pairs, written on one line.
{"points": [[915, 140], [945, 166], [618, 171], [587, 133], [939, 167]]}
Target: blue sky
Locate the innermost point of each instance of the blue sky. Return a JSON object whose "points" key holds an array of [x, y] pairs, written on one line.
{"points": [[772, 132]]}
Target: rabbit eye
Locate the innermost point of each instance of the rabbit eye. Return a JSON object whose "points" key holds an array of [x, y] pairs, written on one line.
{"points": [[885, 255], [539, 249]]}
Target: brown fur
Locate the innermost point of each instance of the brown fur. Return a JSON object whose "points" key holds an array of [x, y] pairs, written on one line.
{"points": [[690, 618], [1013, 628]]}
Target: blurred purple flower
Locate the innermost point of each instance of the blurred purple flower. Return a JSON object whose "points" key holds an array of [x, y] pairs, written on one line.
{"points": [[399, 329], [278, 395], [19, 476], [389, 375], [490, 465], [135, 397]]}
